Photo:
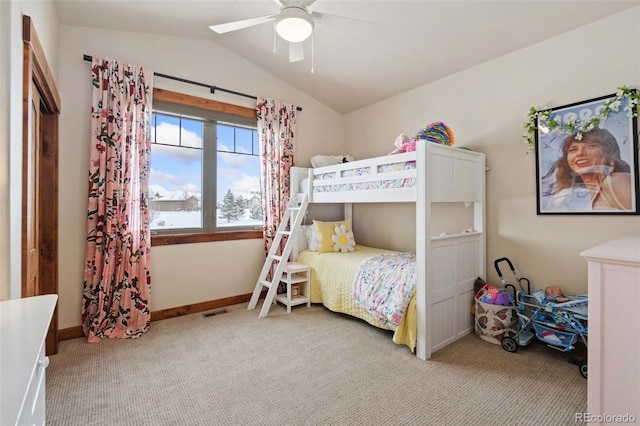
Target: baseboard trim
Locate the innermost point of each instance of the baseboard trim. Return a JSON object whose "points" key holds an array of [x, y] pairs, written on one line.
{"points": [[199, 307], [75, 332], [70, 333]]}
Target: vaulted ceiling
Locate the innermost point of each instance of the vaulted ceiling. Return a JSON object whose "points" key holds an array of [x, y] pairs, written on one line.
{"points": [[355, 63]]}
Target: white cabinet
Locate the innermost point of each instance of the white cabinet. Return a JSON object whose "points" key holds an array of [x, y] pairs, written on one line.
{"points": [[613, 387], [23, 329], [297, 277]]}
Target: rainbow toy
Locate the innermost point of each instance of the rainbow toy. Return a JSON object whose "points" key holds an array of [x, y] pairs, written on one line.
{"points": [[436, 132]]}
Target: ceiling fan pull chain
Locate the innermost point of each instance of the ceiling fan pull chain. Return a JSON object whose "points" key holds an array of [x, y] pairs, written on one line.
{"points": [[312, 70], [274, 37]]}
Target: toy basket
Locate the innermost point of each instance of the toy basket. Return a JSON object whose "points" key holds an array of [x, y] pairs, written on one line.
{"points": [[493, 321]]}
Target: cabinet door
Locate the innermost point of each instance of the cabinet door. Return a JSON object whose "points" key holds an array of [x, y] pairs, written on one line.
{"points": [[614, 340]]}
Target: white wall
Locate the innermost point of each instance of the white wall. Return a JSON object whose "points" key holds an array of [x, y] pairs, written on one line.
{"points": [[44, 19], [5, 138], [485, 106], [187, 273]]}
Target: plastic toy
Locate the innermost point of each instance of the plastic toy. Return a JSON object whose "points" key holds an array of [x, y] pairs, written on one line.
{"points": [[436, 132]]}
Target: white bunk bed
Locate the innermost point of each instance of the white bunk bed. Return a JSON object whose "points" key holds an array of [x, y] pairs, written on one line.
{"points": [[447, 265]]}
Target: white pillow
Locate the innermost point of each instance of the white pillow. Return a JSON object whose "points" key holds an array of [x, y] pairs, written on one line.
{"points": [[329, 160], [311, 237]]}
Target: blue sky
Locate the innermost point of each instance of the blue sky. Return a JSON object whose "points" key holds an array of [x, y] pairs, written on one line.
{"points": [[178, 168]]}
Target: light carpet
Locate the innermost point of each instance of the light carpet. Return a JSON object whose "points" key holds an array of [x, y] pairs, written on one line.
{"points": [[309, 367]]}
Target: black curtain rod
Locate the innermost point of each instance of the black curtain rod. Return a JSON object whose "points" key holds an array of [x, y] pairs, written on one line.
{"points": [[211, 88]]}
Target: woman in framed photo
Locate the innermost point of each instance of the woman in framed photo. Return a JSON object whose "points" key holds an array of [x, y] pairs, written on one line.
{"points": [[590, 175]]}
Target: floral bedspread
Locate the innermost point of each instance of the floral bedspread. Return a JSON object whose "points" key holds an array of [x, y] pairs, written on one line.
{"points": [[384, 284]]}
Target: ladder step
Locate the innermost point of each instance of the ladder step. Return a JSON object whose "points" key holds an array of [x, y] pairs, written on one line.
{"points": [[266, 284], [289, 224]]}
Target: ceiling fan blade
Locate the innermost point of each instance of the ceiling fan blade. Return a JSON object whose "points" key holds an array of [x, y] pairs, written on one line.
{"points": [[296, 52], [318, 16], [238, 25]]}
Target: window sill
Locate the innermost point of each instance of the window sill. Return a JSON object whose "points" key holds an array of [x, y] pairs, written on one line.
{"points": [[171, 239]]}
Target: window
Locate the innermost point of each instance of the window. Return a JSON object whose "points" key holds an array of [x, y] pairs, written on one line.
{"points": [[204, 183]]}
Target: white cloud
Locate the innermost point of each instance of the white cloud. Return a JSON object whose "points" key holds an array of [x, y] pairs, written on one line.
{"points": [[237, 161], [191, 139], [164, 179], [168, 133], [243, 150], [192, 188], [172, 182], [230, 174], [245, 184]]}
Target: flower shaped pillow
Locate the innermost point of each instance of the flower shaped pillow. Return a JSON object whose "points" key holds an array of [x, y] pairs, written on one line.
{"points": [[342, 239], [334, 236]]}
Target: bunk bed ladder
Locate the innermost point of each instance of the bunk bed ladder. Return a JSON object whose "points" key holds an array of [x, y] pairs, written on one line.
{"points": [[289, 224]]}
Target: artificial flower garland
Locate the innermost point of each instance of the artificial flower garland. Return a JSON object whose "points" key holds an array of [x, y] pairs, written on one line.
{"points": [[543, 117]]}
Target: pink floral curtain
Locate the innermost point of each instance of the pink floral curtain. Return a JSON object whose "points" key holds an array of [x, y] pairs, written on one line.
{"points": [[116, 297], [276, 132]]}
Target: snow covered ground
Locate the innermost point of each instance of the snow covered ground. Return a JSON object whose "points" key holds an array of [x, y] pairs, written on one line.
{"points": [[171, 220]]}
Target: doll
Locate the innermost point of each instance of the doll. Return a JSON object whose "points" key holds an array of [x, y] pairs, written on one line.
{"points": [[554, 294]]}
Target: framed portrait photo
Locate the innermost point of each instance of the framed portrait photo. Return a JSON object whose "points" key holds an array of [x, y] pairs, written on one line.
{"points": [[587, 157]]}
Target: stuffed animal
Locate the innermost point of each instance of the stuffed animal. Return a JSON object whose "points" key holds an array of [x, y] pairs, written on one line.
{"points": [[403, 144], [502, 299], [489, 296]]}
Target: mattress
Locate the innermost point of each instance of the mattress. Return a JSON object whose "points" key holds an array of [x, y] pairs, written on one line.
{"points": [[332, 276]]}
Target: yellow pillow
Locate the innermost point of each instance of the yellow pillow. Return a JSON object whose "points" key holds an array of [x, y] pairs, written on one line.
{"points": [[343, 239]]}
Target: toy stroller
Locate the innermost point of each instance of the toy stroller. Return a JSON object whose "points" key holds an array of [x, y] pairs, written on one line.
{"points": [[557, 324]]}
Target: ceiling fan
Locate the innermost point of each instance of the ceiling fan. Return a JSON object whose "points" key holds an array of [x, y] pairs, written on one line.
{"points": [[294, 23]]}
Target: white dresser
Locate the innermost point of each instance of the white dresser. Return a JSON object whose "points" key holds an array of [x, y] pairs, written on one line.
{"points": [[23, 329], [613, 387]]}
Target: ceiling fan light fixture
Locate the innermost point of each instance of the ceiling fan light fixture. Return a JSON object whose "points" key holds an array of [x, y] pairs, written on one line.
{"points": [[294, 24]]}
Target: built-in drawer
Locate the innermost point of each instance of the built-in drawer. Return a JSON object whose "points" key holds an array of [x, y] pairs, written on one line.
{"points": [[33, 406]]}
